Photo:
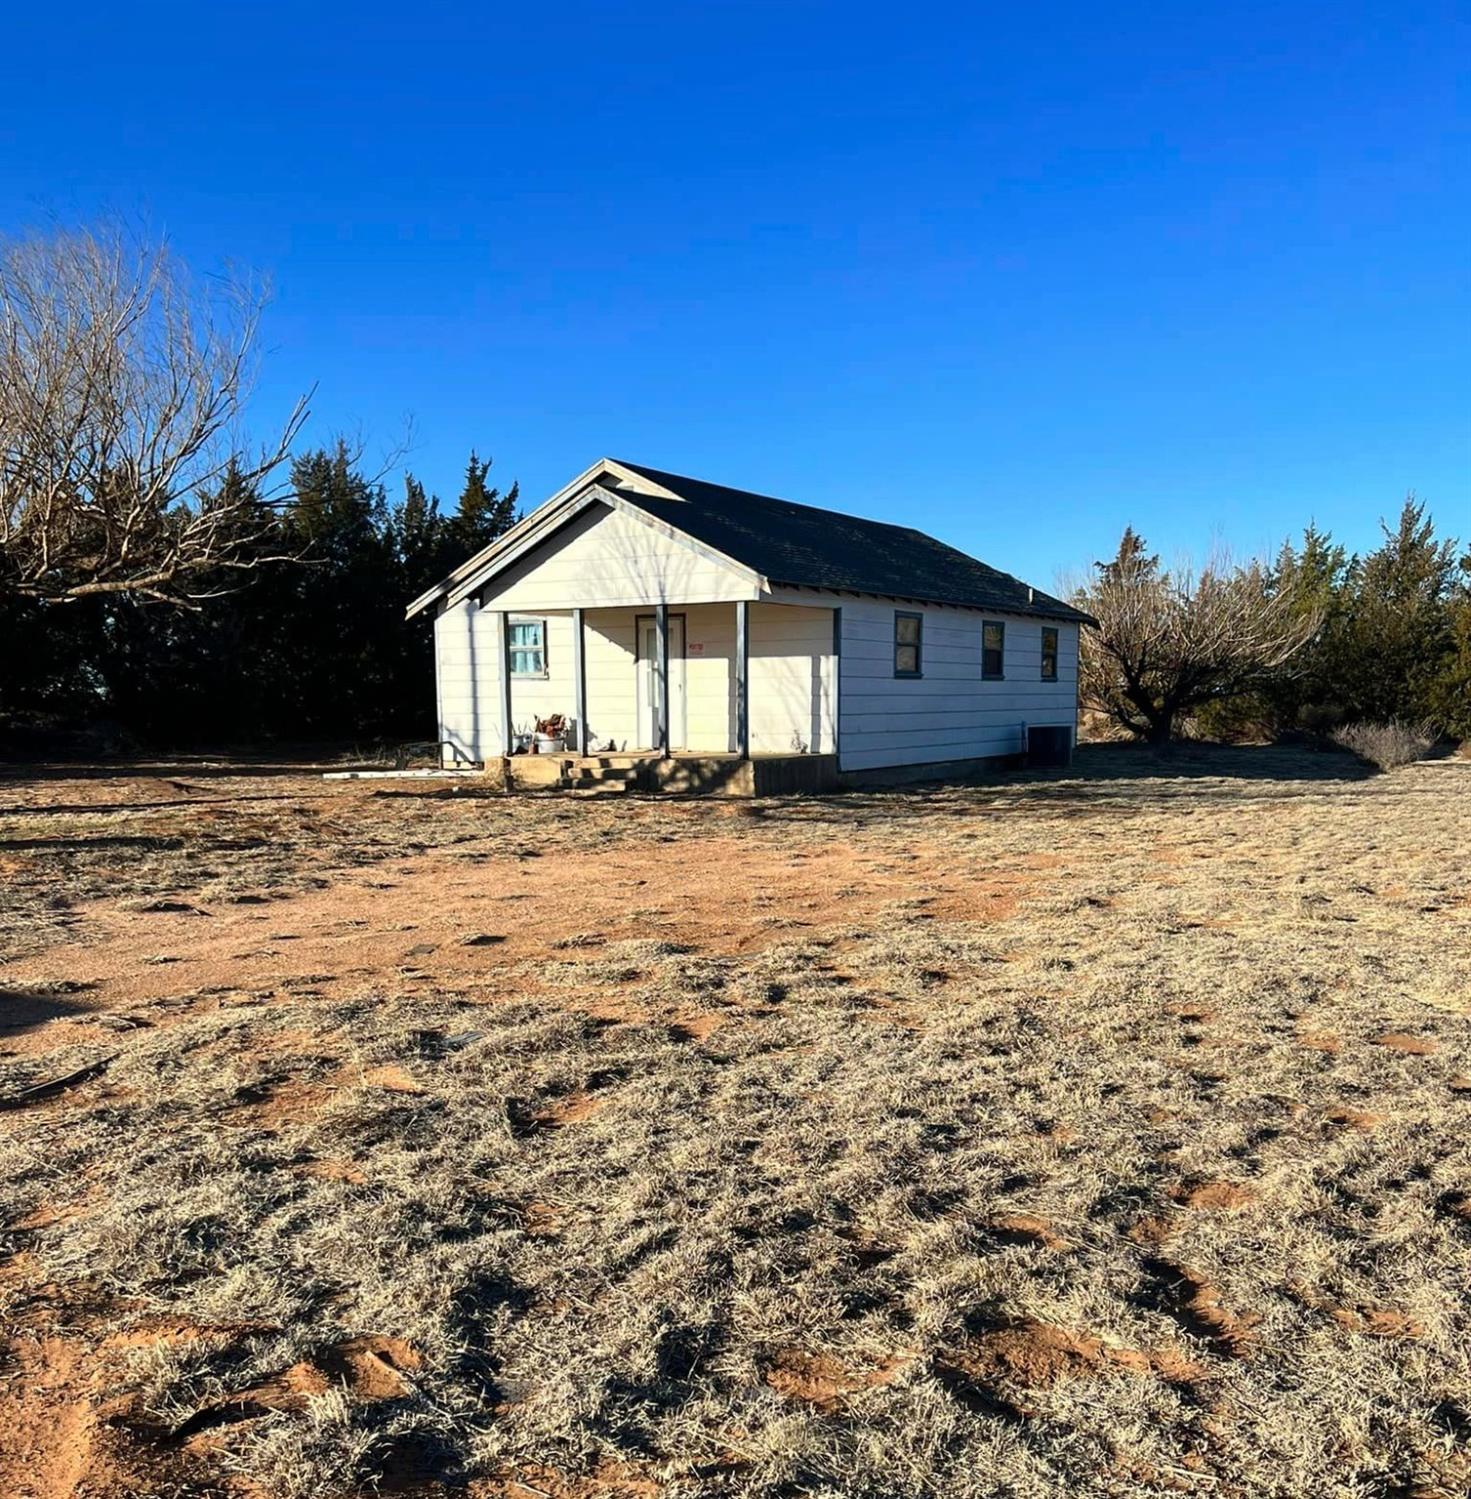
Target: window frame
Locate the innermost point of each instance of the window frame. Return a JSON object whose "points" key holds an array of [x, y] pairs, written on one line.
{"points": [[917, 645], [1000, 675], [1056, 634], [539, 620]]}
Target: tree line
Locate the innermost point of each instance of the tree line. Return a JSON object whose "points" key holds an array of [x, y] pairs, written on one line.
{"points": [[160, 573], [1314, 639], [309, 645]]}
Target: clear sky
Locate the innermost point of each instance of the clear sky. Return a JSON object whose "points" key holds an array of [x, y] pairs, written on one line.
{"points": [[1015, 274]]}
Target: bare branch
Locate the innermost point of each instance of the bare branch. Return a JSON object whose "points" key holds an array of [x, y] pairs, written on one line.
{"points": [[122, 391], [1169, 642]]}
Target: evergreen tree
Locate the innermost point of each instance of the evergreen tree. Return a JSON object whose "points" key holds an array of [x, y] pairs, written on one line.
{"points": [[1313, 579], [421, 537], [1396, 633], [484, 512]]}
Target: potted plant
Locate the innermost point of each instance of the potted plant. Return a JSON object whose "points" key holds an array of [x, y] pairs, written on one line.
{"points": [[551, 734]]}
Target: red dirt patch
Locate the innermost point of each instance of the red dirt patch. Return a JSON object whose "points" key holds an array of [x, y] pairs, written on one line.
{"points": [[698, 1027], [390, 1077], [1215, 1196], [328, 1169], [1366, 1123], [572, 1109], [541, 1220], [1324, 1041], [56, 1437], [1024, 1228], [1377, 1322], [282, 1105], [46, 1423], [819, 1379], [1403, 1041], [1157, 1228], [610, 1480], [374, 1367], [1036, 1355]]}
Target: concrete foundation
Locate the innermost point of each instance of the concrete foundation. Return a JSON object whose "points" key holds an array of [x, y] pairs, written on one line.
{"points": [[672, 775]]}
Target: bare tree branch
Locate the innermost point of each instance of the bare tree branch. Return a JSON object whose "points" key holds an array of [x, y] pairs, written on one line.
{"points": [[1169, 642], [123, 386]]}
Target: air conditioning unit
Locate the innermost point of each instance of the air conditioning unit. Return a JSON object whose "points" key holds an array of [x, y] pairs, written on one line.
{"points": [[1049, 746]]}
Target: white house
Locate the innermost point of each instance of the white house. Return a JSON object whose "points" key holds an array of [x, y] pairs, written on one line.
{"points": [[699, 637]]}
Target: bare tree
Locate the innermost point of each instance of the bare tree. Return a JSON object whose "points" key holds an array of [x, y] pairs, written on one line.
{"points": [[1166, 643], [123, 463]]}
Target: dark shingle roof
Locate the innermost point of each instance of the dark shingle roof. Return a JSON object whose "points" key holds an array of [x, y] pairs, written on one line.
{"points": [[804, 547]]}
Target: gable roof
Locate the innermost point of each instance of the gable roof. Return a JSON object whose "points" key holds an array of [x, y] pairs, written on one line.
{"points": [[787, 544], [802, 546]]}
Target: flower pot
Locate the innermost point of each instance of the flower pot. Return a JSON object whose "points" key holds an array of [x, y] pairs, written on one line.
{"points": [[546, 745]]}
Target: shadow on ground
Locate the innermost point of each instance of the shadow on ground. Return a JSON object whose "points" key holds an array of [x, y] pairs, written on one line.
{"points": [[24, 1010]]}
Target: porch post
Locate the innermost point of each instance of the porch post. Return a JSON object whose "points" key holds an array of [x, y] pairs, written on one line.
{"points": [[661, 674], [743, 678], [503, 656], [579, 680], [838, 685]]}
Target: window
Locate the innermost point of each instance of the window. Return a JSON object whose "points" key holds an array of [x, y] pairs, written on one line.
{"points": [[1049, 653], [908, 633], [993, 650], [528, 645]]}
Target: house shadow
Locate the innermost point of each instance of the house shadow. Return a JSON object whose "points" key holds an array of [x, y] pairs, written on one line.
{"points": [[1190, 761], [1123, 778]]}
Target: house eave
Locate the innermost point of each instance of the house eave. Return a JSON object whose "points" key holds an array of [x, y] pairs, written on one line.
{"points": [[452, 582], [1064, 613]]}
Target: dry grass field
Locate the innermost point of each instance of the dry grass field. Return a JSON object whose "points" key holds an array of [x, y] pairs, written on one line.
{"points": [[1098, 1134]]}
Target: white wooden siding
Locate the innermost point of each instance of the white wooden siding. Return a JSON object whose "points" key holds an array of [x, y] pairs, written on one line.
{"points": [[709, 642], [949, 712], [612, 708], [791, 679], [465, 652], [606, 557]]}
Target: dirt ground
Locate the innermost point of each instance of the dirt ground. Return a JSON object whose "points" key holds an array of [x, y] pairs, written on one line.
{"points": [[1101, 1133]]}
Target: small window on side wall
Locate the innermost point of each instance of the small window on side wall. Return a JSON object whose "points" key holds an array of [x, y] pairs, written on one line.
{"points": [[993, 650], [1049, 653], [908, 644], [528, 647]]}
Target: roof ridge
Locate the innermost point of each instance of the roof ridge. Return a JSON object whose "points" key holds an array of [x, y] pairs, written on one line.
{"points": [[775, 499]]}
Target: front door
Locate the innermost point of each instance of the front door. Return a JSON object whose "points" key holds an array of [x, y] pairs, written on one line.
{"points": [[648, 682]]}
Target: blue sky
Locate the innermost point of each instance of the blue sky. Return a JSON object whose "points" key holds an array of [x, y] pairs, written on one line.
{"points": [[1017, 275]]}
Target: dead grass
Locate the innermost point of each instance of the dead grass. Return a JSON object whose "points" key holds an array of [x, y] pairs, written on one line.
{"points": [[1099, 1135]]}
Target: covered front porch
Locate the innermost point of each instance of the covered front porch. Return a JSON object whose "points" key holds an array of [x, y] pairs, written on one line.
{"points": [[685, 696]]}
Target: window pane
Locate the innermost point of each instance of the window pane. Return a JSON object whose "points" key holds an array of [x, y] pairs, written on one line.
{"points": [[525, 663], [526, 632], [906, 629], [906, 658]]}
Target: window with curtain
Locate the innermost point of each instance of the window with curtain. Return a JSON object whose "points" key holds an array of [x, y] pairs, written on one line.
{"points": [[528, 645], [1049, 653], [993, 650], [908, 630]]}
